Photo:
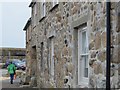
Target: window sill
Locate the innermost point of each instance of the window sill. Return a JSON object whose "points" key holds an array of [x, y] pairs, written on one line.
{"points": [[34, 26], [42, 18], [55, 6], [83, 84]]}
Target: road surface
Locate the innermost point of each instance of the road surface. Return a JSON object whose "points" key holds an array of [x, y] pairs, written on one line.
{"points": [[5, 81]]}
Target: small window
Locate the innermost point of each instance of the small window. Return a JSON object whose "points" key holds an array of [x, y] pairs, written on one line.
{"points": [[34, 15], [51, 57], [55, 2], [42, 62], [43, 9], [82, 56], [35, 9]]}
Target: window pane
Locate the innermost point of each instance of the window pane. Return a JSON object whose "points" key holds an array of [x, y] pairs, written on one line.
{"points": [[35, 9], [52, 57], [84, 44], [44, 9], [85, 65]]}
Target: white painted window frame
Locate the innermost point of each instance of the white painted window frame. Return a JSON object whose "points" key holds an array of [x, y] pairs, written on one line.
{"points": [[52, 59], [35, 8], [81, 79], [43, 9], [42, 61], [54, 2], [34, 15]]}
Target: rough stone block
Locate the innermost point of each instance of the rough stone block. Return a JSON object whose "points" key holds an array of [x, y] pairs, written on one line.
{"points": [[92, 6], [113, 5], [33, 82], [97, 67], [91, 45], [101, 55], [93, 54], [65, 51], [119, 70], [74, 10], [94, 25], [117, 40], [101, 81], [58, 15], [116, 55], [69, 67], [28, 78], [103, 39], [98, 40], [92, 81], [114, 82], [102, 22], [23, 78], [91, 62], [118, 23]]}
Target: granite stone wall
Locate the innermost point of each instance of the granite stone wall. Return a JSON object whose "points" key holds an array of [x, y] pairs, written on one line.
{"points": [[61, 25]]}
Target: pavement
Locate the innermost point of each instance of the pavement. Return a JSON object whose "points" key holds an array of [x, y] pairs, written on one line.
{"points": [[5, 81]]}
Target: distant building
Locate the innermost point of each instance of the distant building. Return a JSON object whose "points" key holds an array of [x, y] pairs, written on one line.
{"points": [[12, 53], [66, 44]]}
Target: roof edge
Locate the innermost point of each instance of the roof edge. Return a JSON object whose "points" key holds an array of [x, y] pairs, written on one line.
{"points": [[27, 24], [32, 4]]}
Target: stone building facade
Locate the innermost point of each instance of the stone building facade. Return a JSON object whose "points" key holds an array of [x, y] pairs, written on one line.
{"points": [[67, 45]]}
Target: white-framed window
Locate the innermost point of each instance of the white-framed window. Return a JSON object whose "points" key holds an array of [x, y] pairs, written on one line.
{"points": [[35, 9], [54, 2], [83, 62], [42, 62], [51, 57], [43, 9], [34, 15]]}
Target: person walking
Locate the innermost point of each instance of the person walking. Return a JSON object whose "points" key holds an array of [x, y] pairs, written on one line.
{"points": [[11, 71]]}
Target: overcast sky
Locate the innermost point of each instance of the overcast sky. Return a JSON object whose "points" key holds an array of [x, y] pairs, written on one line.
{"points": [[14, 17]]}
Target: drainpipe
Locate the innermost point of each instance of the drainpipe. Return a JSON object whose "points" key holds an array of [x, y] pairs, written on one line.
{"points": [[108, 46]]}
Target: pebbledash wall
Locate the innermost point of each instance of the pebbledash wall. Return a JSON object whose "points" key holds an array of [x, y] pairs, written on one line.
{"points": [[68, 44]]}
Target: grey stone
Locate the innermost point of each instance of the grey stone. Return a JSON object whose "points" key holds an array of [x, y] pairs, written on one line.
{"points": [[103, 39], [62, 23], [91, 45], [101, 55], [101, 81], [116, 55], [22, 78], [93, 54], [91, 62], [92, 81], [97, 67], [98, 40], [33, 82]]}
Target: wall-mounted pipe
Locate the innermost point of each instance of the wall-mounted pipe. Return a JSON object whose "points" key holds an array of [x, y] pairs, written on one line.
{"points": [[108, 46]]}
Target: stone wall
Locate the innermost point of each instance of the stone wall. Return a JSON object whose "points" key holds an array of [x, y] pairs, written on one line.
{"points": [[61, 24]]}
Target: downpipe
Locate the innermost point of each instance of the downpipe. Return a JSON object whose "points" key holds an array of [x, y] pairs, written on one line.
{"points": [[108, 46]]}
